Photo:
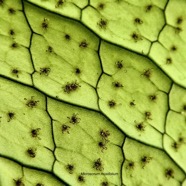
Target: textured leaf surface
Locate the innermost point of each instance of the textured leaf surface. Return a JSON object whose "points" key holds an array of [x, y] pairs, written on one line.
{"points": [[92, 92]]}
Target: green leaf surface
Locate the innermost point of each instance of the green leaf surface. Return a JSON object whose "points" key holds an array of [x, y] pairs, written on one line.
{"points": [[92, 93]]}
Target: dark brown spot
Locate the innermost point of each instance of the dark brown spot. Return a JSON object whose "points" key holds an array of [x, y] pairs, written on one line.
{"points": [[71, 87], [148, 115], [173, 48], [102, 23], [148, 8], [130, 165], [111, 103], [102, 145], [83, 44], [31, 152], [67, 37], [45, 71], [138, 21], [168, 61], [101, 6], [147, 73], [169, 173], [15, 72], [77, 71], [178, 30], [180, 139], [11, 11], [184, 107], [175, 145], [49, 49], [105, 183], [74, 119], [65, 128], [14, 45], [45, 24], [132, 103], [35, 132], [140, 126], [152, 97], [136, 37], [19, 182], [59, 3], [98, 165], [119, 64], [11, 32], [10, 116], [39, 184], [31, 102], [145, 160], [81, 178], [117, 84], [70, 168], [105, 134], [179, 20]]}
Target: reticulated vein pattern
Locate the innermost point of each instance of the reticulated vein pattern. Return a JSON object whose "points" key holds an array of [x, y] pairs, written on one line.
{"points": [[92, 92]]}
